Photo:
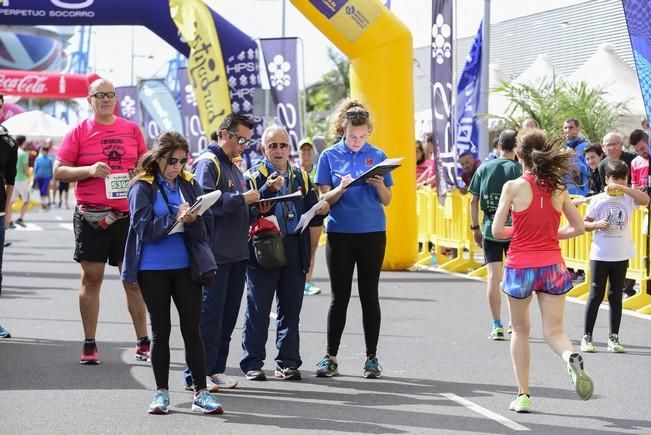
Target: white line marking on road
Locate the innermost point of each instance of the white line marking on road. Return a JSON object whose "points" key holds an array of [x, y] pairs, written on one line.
{"points": [[485, 412], [59, 218], [67, 226], [28, 227]]}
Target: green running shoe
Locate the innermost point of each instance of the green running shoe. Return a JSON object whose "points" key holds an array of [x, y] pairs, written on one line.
{"points": [[614, 345], [582, 382], [521, 404], [326, 368], [497, 334], [587, 345]]}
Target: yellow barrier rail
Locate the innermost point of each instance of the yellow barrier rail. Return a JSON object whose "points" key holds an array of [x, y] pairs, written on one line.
{"points": [[447, 226]]}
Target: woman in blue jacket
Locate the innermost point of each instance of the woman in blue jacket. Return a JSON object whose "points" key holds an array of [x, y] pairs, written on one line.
{"points": [[161, 263]]}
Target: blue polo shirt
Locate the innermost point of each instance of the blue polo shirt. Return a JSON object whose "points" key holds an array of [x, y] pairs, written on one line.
{"points": [[359, 209], [169, 252]]}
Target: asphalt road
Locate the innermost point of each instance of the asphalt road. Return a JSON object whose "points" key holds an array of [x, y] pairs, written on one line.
{"points": [[441, 373]]}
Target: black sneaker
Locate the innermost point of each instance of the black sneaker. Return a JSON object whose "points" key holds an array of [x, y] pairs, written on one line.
{"points": [[327, 368], [288, 373], [20, 222], [372, 369], [256, 375]]}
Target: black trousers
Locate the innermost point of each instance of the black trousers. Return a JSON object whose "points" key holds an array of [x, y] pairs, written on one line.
{"points": [[343, 252], [158, 287], [615, 273]]}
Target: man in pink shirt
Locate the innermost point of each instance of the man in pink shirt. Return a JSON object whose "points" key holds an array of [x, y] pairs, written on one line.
{"points": [[639, 140], [98, 154]]}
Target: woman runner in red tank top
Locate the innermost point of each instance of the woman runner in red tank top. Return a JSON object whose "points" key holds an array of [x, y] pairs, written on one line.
{"points": [[534, 262]]}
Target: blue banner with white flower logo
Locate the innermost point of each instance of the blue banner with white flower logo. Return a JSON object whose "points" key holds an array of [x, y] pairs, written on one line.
{"points": [[441, 76], [127, 106], [467, 130], [638, 17], [280, 60], [192, 129]]}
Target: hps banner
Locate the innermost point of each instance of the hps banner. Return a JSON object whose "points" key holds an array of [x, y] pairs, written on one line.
{"points": [[467, 131], [441, 77], [280, 59]]}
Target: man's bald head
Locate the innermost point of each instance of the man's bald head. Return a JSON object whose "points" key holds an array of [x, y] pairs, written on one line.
{"points": [[612, 144], [95, 85]]}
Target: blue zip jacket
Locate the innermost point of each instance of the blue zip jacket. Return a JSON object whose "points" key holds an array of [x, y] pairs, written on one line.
{"points": [[229, 226], [288, 213], [147, 228]]}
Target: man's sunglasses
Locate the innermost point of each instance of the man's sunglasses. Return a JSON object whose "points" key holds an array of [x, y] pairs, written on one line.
{"points": [[100, 95], [241, 140], [357, 114], [274, 145], [173, 161]]}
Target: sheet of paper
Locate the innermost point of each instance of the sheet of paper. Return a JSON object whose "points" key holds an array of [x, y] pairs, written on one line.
{"points": [[307, 217], [203, 203]]}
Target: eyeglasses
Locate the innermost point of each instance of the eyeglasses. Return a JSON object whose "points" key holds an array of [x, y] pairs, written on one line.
{"points": [[100, 95], [357, 114], [172, 161], [241, 140], [274, 145]]}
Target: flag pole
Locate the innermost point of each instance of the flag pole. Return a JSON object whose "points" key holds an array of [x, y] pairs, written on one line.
{"points": [[484, 145]]}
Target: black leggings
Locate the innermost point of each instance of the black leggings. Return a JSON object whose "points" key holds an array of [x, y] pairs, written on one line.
{"points": [[343, 252], [615, 272], [157, 287]]}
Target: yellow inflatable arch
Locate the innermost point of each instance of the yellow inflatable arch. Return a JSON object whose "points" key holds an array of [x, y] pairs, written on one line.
{"points": [[380, 50]]}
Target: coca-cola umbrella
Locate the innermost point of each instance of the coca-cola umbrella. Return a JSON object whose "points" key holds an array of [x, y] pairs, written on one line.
{"points": [[36, 125], [38, 84]]}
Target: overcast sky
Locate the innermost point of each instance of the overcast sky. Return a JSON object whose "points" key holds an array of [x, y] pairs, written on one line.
{"points": [[111, 47]]}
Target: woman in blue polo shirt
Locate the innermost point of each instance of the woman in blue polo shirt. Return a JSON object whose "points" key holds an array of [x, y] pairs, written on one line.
{"points": [[356, 230], [161, 263]]}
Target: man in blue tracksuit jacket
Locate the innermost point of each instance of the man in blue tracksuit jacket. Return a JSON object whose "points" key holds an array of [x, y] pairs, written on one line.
{"points": [[276, 177], [216, 170]]}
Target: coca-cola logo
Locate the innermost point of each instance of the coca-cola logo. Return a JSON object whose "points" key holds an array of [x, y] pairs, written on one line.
{"points": [[30, 84], [66, 5]]}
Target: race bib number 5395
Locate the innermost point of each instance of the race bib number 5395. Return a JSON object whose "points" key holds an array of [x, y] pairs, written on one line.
{"points": [[117, 186]]}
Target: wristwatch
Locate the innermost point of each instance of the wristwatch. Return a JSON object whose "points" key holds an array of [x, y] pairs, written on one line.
{"points": [[474, 227]]}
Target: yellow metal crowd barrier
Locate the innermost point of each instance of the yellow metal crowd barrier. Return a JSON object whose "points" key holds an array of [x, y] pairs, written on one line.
{"points": [[447, 228]]}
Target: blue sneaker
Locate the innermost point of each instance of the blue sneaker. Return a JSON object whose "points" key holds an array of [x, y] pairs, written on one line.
{"points": [[372, 369], [161, 402], [326, 368], [4, 333], [206, 403], [311, 289]]}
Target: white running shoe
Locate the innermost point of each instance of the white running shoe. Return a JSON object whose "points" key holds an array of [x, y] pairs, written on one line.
{"points": [[223, 381]]}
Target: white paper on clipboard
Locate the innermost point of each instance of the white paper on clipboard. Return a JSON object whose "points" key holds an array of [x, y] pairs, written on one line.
{"points": [[203, 203]]}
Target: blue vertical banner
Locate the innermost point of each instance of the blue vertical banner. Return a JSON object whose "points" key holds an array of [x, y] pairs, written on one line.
{"points": [[467, 130], [127, 106], [441, 77], [638, 17], [281, 62], [192, 129], [159, 109]]}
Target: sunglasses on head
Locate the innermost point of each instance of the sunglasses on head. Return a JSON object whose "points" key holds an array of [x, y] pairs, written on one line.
{"points": [[274, 145], [173, 161], [100, 95], [357, 114]]}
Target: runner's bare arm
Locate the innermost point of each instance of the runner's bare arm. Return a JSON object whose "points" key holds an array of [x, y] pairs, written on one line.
{"points": [[575, 226], [70, 174]]}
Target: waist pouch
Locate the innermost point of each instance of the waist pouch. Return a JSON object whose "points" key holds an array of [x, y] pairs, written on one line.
{"points": [[269, 249], [100, 218]]}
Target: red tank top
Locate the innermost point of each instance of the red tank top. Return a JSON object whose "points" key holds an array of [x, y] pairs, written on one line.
{"points": [[535, 231]]}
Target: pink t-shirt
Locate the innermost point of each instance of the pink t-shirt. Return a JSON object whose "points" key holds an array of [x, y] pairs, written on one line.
{"points": [[639, 172], [119, 145]]}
